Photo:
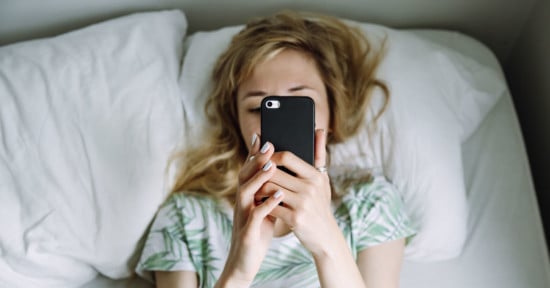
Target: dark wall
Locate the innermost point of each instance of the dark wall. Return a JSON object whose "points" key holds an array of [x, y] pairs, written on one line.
{"points": [[528, 73]]}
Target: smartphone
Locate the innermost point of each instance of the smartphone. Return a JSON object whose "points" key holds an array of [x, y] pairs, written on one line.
{"points": [[288, 122]]}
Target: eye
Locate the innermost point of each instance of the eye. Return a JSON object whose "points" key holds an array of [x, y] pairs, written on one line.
{"points": [[254, 110]]}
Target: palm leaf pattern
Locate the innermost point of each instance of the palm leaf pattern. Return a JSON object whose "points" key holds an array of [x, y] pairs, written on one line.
{"points": [[288, 259], [194, 232], [159, 261], [342, 216]]}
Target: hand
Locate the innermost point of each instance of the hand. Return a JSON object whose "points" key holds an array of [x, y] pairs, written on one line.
{"points": [[306, 209], [252, 225]]}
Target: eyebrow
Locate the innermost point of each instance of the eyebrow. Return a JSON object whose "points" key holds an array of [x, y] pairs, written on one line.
{"points": [[254, 93], [257, 93], [298, 88]]}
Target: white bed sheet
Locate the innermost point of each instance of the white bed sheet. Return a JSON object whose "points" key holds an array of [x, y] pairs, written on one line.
{"points": [[506, 246]]}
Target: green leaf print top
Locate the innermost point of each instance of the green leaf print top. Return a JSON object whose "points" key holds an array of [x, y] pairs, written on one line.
{"points": [[193, 233]]}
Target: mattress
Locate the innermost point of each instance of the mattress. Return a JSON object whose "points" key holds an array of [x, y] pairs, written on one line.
{"points": [[505, 246]]}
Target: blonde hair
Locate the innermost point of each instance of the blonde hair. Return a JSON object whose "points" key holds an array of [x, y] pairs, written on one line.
{"points": [[346, 63]]}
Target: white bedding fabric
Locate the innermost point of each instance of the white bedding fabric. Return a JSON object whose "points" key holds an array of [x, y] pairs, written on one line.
{"points": [[87, 120], [505, 247]]}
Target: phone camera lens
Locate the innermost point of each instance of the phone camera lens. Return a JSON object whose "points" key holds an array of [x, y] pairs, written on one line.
{"points": [[269, 104]]}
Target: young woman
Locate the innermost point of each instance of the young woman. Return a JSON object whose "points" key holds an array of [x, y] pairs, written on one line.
{"points": [[214, 230]]}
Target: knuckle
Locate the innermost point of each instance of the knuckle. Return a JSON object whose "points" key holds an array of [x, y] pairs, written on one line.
{"points": [[285, 156], [257, 161]]}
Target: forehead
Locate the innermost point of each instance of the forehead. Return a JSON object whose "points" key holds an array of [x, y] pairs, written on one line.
{"points": [[285, 66]]}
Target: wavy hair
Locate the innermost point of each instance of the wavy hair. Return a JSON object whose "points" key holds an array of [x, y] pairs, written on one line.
{"points": [[346, 62]]}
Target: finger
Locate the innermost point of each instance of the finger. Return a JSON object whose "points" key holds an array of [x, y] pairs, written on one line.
{"points": [[293, 163], [254, 144], [266, 191], [288, 182], [246, 191], [320, 148], [286, 214], [269, 188], [315, 186], [254, 147], [263, 210], [256, 161]]}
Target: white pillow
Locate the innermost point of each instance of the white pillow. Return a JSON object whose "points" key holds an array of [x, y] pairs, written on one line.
{"points": [[87, 121], [438, 98]]}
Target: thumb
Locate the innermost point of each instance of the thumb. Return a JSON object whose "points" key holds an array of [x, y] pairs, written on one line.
{"points": [[320, 148]]}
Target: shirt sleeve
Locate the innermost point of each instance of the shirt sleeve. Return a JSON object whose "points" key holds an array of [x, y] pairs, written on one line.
{"points": [[166, 247], [378, 214]]}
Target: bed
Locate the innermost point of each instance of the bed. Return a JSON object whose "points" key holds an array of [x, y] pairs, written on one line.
{"points": [[503, 243]]}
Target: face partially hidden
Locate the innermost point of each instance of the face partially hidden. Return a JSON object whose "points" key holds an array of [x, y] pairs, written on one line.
{"points": [[288, 73]]}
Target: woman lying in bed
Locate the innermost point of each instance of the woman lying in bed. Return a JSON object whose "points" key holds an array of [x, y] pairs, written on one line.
{"points": [[215, 232]]}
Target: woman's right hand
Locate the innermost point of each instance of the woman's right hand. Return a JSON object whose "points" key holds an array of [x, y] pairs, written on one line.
{"points": [[253, 227]]}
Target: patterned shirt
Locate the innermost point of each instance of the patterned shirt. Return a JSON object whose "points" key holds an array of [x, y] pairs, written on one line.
{"points": [[193, 233]]}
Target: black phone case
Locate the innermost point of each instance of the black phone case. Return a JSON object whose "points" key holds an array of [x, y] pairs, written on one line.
{"points": [[290, 127]]}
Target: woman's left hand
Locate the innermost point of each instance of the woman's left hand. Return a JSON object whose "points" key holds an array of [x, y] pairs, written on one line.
{"points": [[306, 208]]}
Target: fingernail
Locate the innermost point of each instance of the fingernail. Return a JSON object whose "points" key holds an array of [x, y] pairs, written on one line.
{"points": [[254, 137], [264, 148], [278, 194], [267, 165]]}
